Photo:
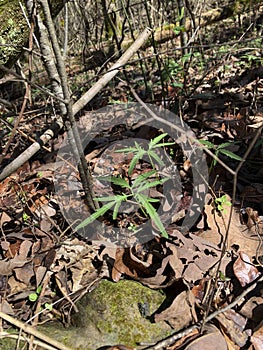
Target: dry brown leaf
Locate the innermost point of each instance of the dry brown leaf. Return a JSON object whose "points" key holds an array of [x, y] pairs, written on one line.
{"points": [[198, 255], [244, 270], [212, 340], [257, 338], [25, 273], [4, 218], [181, 313], [238, 233], [233, 325]]}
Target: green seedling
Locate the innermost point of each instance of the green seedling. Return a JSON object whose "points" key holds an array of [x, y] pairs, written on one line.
{"points": [[221, 202], [134, 191], [221, 149], [25, 217], [140, 152], [34, 296]]}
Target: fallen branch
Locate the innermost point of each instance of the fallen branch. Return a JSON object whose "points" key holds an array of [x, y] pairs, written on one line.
{"points": [[31, 330], [170, 340], [87, 97]]}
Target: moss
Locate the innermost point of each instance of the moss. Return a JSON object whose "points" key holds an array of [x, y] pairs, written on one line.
{"points": [[14, 30], [110, 315], [114, 312]]}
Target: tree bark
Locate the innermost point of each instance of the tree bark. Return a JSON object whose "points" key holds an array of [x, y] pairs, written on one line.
{"points": [[14, 30]]}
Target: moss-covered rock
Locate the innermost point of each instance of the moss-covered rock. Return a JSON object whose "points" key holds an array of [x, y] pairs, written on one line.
{"points": [[111, 315], [14, 30]]}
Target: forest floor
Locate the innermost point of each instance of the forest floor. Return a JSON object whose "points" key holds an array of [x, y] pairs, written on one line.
{"points": [[212, 268]]}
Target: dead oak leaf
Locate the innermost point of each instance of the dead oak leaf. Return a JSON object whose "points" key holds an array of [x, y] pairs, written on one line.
{"points": [[257, 338], [212, 338], [233, 325], [19, 260], [244, 270], [181, 312]]}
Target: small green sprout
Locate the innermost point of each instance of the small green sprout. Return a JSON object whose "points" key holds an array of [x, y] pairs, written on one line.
{"points": [[221, 149], [221, 202], [25, 217], [134, 191], [34, 296]]}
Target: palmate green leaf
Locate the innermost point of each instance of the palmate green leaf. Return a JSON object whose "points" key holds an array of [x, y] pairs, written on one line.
{"points": [[143, 177], [150, 184], [135, 160], [206, 143], [155, 156], [143, 200], [157, 139], [230, 154], [224, 145], [99, 212]]}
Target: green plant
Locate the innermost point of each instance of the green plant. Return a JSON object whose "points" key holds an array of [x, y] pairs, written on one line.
{"points": [[179, 28], [25, 217], [34, 296], [220, 149], [134, 190], [139, 152], [221, 202]]}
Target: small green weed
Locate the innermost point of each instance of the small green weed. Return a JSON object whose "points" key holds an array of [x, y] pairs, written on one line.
{"points": [[34, 296], [220, 149], [134, 189], [221, 202]]}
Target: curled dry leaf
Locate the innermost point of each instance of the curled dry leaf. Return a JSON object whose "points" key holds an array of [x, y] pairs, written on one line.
{"points": [[257, 338], [181, 312], [233, 325], [212, 339], [157, 269], [244, 270]]}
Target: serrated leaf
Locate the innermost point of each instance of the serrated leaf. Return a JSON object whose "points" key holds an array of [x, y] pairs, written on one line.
{"points": [[149, 184], [151, 211], [154, 200], [157, 139], [120, 182], [143, 177], [164, 144], [224, 145], [105, 199], [133, 163], [206, 143], [155, 157], [116, 210], [99, 212], [135, 159], [126, 150], [115, 180], [230, 154]]}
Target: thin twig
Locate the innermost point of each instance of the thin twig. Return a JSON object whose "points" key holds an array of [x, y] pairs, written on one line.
{"points": [[32, 331], [170, 340]]}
